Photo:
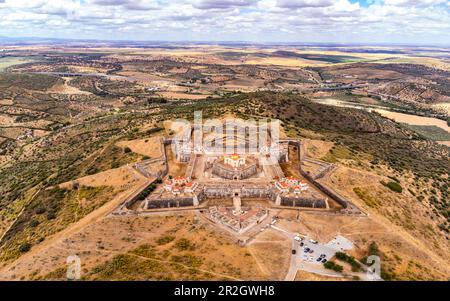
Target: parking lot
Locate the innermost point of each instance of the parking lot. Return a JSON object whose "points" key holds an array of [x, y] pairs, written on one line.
{"points": [[314, 252], [310, 255]]}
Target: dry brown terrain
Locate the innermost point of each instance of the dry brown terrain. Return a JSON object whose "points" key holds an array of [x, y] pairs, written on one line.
{"points": [[150, 147], [81, 116]]}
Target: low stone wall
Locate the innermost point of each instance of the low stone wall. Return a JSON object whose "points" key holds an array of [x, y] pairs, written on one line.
{"points": [[130, 202], [254, 192], [226, 191], [170, 203], [303, 202], [219, 191], [175, 201], [337, 198]]}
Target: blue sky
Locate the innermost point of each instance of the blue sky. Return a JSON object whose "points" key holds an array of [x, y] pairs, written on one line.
{"points": [[338, 21]]}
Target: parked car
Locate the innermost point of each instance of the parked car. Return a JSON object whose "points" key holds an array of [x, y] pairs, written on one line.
{"points": [[324, 260], [311, 251], [307, 250], [302, 244], [294, 252], [319, 259]]}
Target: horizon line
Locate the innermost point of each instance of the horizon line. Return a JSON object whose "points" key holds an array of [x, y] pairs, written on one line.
{"points": [[245, 42]]}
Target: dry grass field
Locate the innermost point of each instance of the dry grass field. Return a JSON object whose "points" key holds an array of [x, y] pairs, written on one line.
{"points": [[150, 147], [73, 124]]}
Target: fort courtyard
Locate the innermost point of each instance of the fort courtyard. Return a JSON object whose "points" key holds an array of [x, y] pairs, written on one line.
{"points": [[232, 174]]}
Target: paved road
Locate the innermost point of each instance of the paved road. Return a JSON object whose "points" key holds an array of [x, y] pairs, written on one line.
{"points": [[293, 268]]}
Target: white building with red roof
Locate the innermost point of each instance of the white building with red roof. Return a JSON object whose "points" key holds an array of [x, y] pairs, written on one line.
{"points": [[179, 180], [168, 185], [282, 186], [190, 187], [176, 190], [291, 181], [303, 185]]}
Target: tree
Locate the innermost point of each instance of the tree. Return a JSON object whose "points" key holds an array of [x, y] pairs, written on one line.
{"points": [[127, 150], [25, 247], [34, 223]]}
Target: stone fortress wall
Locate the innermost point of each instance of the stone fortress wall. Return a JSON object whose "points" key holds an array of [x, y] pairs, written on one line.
{"points": [[303, 202], [169, 203], [230, 173], [184, 152], [245, 191], [227, 191], [174, 202]]}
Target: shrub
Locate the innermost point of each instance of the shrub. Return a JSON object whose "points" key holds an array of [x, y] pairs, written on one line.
{"points": [[165, 239], [34, 223], [373, 249], [333, 266], [394, 186], [350, 260], [184, 244], [92, 170], [127, 150], [51, 215], [25, 247], [40, 210]]}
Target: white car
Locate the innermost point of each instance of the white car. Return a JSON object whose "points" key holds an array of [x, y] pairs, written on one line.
{"points": [[297, 238]]}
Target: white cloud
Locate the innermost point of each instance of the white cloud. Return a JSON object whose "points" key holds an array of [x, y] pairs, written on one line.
{"points": [[258, 20], [414, 2], [304, 3], [222, 4]]}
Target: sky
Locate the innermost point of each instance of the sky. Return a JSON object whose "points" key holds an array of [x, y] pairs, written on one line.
{"points": [[320, 21]]}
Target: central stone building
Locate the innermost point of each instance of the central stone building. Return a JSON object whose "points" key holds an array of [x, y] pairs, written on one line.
{"points": [[235, 167]]}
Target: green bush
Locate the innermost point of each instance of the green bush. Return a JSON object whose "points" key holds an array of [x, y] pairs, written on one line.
{"points": [[184, 244], [127, 150], [51, 215], [25, 247], [40, 210], [34, 223], [165, 239], [356, 267], [333, 266], [394, 186]]}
